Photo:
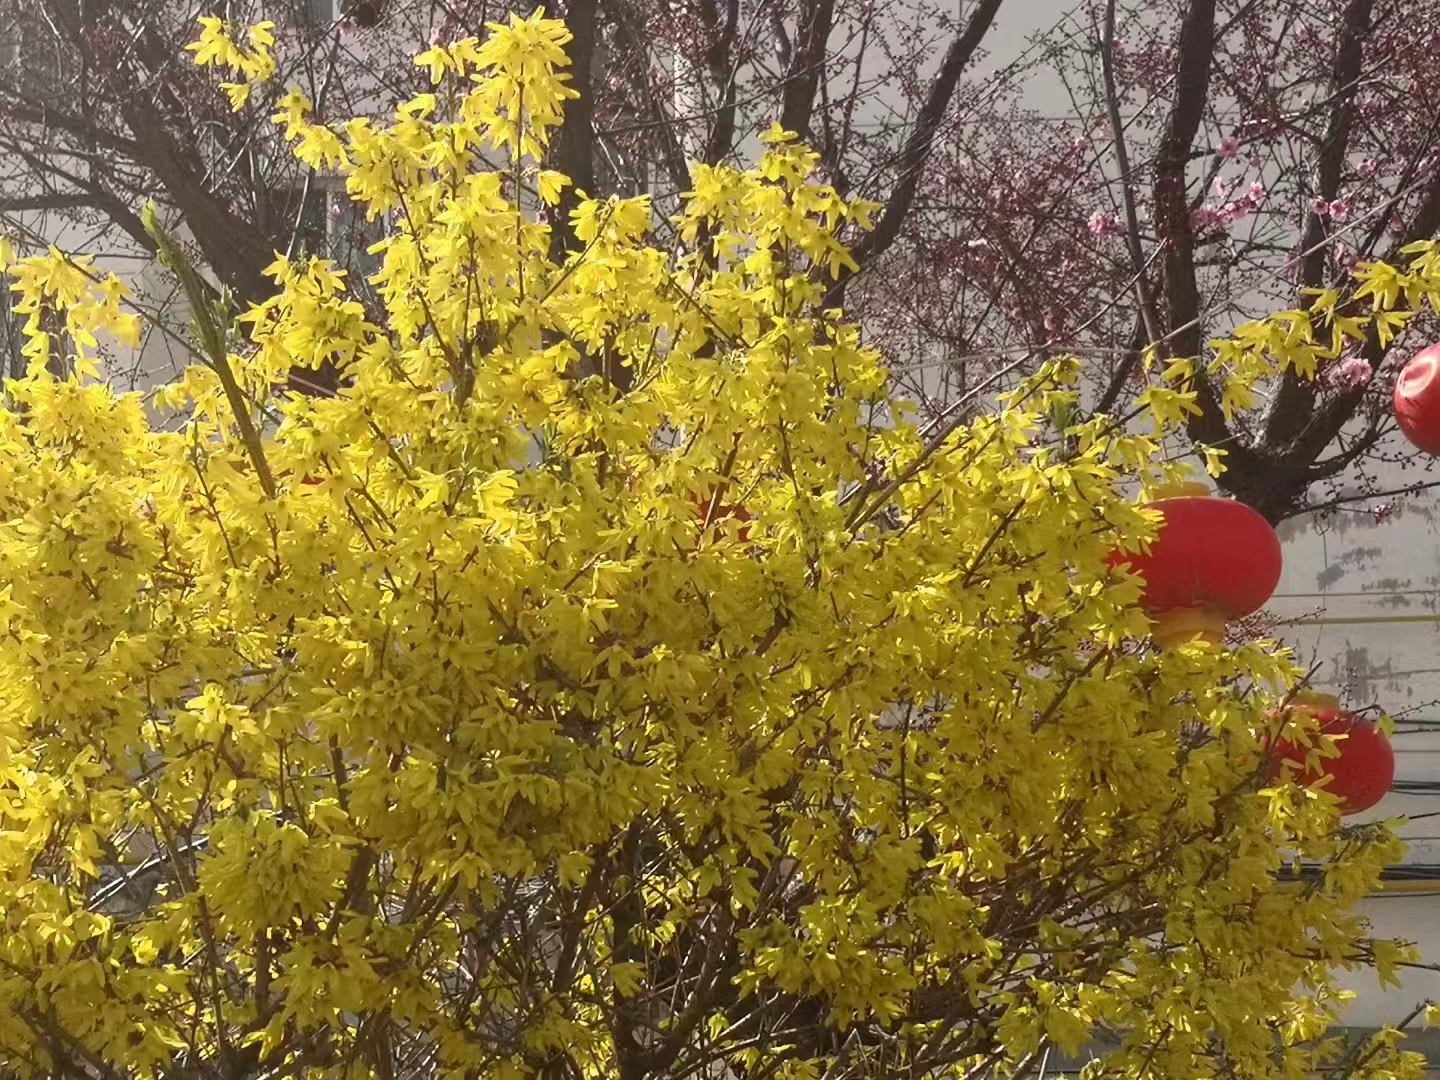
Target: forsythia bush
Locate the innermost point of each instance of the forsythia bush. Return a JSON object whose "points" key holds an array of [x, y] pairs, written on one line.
{"points": [[607, 682]]}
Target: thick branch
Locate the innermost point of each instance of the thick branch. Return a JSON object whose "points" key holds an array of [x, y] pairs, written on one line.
{"points": [[46, 116], [1195, 54], [233, 249], [1148, 314], [722, 76], [1172, 211], [96, 196], [627, 920], [47, 202], [574, 151], [1335, 413], [648, 96], [1295, 400], [921, 140], [807, 61], [1345, 75]]}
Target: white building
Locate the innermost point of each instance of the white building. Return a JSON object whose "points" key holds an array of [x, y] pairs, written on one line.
{"points": [[1363, 589], [1364, 594]]}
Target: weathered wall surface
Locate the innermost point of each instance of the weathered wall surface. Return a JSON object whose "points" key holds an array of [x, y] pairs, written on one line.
{"points": [[1363, 589]]}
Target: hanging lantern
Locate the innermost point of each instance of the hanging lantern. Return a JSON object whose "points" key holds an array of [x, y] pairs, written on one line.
{"points": [[1417, 400], [1365, 768], [1212, 560], [312, 481], [722, 511]]}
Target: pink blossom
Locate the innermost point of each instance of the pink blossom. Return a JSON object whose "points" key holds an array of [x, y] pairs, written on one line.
{"points": [[1227, 213], [1397, 225], [1369, 167], [1105, 224], [1228, 148], [1232, 212], [1203, 217], [1339, 209], [1257, 192], [1223, 186], [1382, 512], [1349, 374]]}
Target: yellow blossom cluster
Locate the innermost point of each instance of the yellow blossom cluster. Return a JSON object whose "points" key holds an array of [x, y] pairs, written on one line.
{"points": [[610, 681], [254, 61]]}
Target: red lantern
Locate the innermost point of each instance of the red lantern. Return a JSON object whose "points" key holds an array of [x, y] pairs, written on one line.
{"points": [[1365, 769], [724, 510], [1212, 560], [1417, 400], [312, 481]]}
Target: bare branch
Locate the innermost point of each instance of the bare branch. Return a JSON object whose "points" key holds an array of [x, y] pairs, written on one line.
{"points": [[574, 149], [1293, 403], [921, 140], [807, 61], [1138, 266], [722, 71]]}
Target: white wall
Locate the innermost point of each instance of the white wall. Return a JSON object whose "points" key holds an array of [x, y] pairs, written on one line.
{"points": [[1365, 594], [1344, 566]]}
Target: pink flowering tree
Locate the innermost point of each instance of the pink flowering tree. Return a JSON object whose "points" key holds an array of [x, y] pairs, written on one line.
{"points": [[1217, 159], [1207, 160], [101, 109]]}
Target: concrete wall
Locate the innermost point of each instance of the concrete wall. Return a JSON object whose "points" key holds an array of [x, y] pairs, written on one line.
{"points": [[1364, 593], [1343, 571]]}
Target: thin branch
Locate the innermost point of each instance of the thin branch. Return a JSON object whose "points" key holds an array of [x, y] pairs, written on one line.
{"points": [[807, 60], [1294, 401], [1127, 192], [1343, 500], [918, 146]]}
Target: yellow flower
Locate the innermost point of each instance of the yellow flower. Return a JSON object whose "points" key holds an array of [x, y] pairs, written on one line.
{"points": [[594, 684], [238, 93]]}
